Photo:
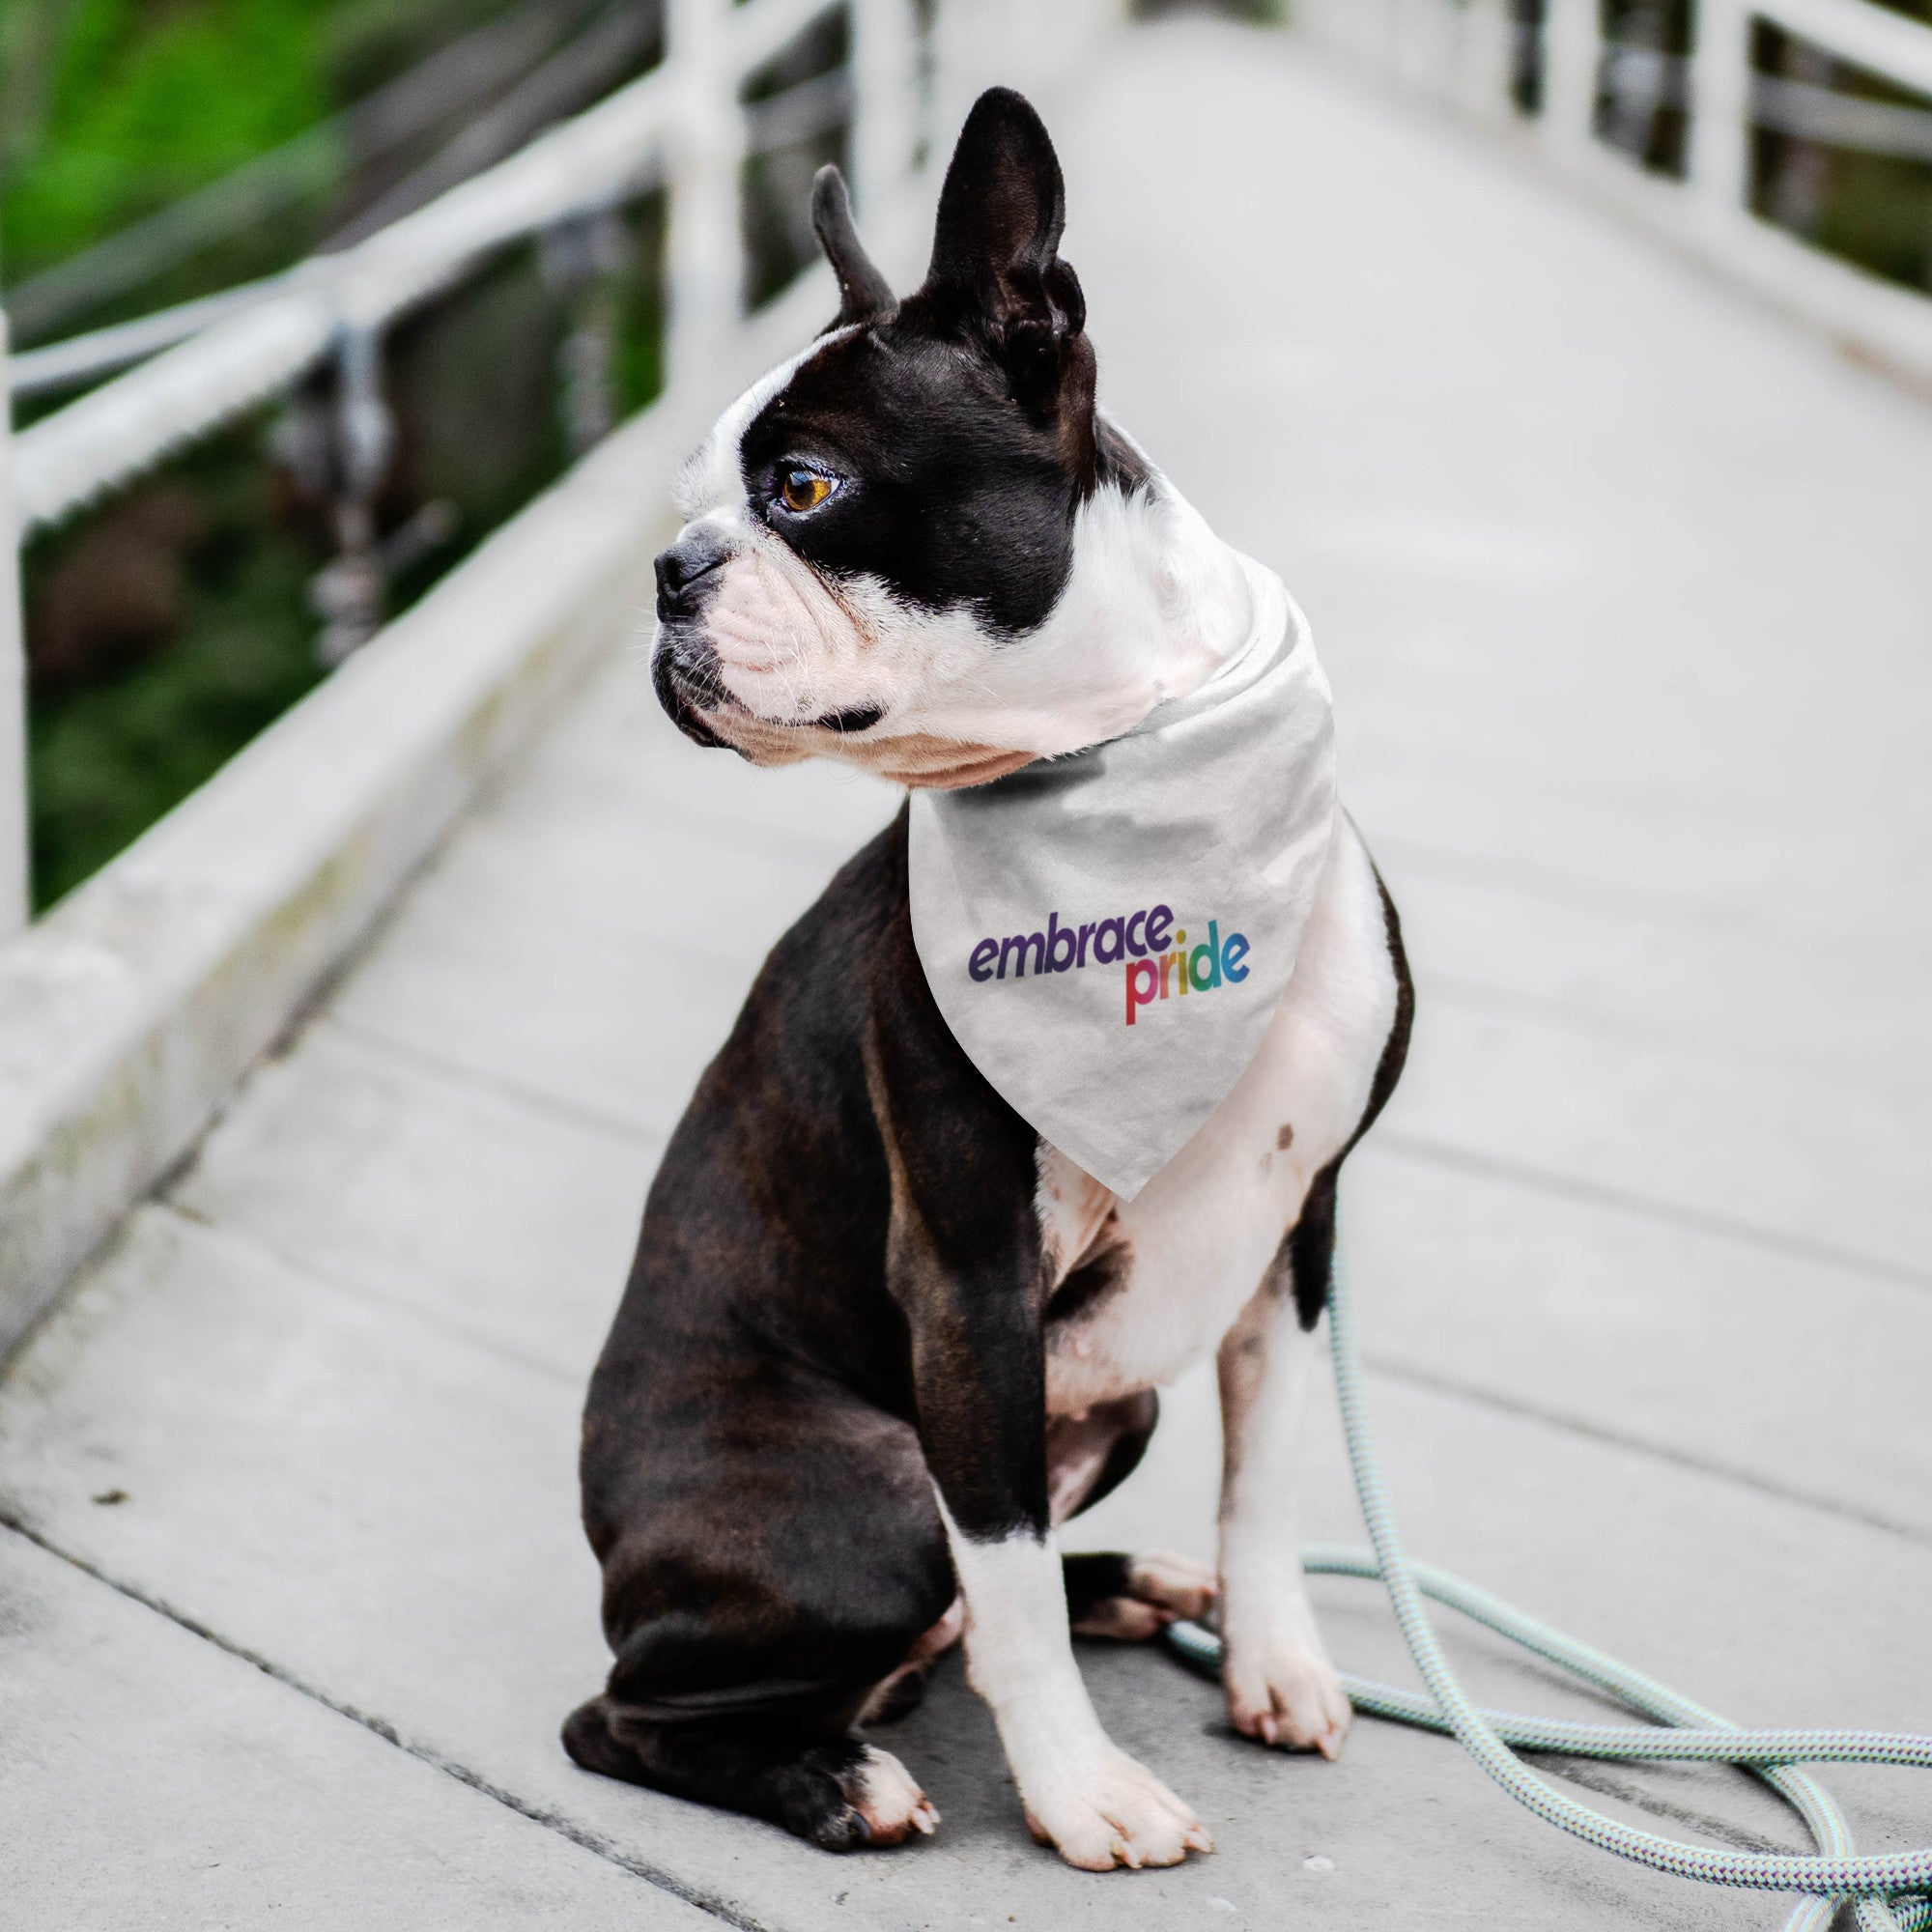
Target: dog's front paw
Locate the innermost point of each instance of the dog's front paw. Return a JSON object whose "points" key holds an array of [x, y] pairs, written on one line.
{"points": [[1114, 1813], [1285, 1694], [874, 1800]]}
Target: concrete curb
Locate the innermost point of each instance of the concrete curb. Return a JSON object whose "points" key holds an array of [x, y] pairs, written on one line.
{"points": [[130, 1011]]}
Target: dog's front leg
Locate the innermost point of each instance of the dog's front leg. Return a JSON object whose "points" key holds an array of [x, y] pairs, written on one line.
{"points": [[985, 1446], [1280, 1684], [1081, 1794], [963, 1262]]}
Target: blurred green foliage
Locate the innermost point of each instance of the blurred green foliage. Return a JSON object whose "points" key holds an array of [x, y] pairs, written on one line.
{"points": [[142, 104], [472, 379], [1873, 209], [108, 755], [114, 108], [171, 623]]}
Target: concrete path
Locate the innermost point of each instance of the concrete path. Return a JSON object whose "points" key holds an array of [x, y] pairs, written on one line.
{"points": [[1625, 591]]}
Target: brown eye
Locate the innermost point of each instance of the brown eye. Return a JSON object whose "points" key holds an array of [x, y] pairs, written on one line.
{"points": [[804, 490]]}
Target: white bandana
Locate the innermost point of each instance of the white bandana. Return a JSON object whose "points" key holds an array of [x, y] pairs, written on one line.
{"points": [[1108, 934]]}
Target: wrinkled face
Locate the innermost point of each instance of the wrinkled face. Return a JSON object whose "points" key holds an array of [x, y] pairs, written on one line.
{"points": [[896, 546]]}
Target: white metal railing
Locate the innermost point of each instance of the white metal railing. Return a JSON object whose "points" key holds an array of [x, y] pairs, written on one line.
{"points": [[14, 881], [610, 152], [129, 1013], [681, 125], [1470, 53]]}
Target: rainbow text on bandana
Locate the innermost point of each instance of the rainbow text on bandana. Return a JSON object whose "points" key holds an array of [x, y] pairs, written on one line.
{"points": [[1139, 941]]}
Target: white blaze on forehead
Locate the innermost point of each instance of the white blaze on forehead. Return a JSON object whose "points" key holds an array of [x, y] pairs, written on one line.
{"points": [[713, 475]]}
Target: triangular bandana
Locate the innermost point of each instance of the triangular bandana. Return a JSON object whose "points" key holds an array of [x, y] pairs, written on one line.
{"points": [[1108, 934]]}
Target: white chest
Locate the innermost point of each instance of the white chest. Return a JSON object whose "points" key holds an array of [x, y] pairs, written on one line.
{"points": [[1145, 1286]]}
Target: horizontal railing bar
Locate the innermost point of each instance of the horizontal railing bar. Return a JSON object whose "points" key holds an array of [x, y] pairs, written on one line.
{"points": [[129, 423], [589, 161], [573, 76], [799, 113], [1885, 45], [372, 127], [753, 34], [252, 194], [1805, 112], [78, 359], [1801, 109]]}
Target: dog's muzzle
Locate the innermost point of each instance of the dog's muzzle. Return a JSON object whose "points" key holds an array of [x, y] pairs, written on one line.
{"points": [[684, 674], [684, 665]]}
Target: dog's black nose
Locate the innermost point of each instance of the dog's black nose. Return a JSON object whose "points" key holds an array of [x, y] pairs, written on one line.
{"points": [[685, 573]]}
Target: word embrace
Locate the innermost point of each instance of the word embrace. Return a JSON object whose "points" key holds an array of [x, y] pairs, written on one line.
{"points": [[1138, 942]]}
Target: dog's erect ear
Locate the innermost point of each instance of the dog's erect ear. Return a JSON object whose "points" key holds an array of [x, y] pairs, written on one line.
{"points": [[994, 248], [863, 292]]}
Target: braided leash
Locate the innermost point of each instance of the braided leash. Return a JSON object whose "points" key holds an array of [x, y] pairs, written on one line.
{"points": [[1881, 1888]]}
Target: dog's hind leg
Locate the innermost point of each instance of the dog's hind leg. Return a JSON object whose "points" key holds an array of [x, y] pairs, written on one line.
{"points": [[825, 1785], [1130, 1599], [1282, 1688], [1090, 1455], [1108, 1593], [760, 1578], [903, 1692]]}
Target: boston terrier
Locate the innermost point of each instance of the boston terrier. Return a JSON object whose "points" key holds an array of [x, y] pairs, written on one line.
{"points": [[880, 1337]]}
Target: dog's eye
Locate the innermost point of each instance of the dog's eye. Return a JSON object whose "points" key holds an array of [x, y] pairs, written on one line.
{"points": [[802, 490]]}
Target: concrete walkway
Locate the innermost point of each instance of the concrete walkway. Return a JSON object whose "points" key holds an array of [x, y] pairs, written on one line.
{"points": [[1625, 590]]}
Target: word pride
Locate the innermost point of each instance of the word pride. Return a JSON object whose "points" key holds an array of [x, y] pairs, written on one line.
{"points": [[1138, 942]]}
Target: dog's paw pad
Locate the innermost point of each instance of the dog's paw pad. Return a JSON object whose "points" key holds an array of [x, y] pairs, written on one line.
{"points": [[1117, 1813]]}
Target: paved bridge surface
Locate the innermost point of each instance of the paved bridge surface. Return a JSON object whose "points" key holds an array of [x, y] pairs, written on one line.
{"points": [[1624, 587]]}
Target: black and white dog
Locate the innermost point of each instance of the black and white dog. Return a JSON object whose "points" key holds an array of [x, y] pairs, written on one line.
{"points": [[879, 1337]]}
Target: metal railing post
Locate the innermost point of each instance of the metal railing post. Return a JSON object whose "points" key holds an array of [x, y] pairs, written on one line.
{"points": [[1720, 106], [1573, 52], [348, 594], [883, 118], [704, 254], [1482, 58], [14, 881], [580, 259], [1426, 45]]}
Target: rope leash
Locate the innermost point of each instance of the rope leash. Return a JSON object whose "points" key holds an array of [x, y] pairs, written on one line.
{"points": [[1880, 1887]]}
